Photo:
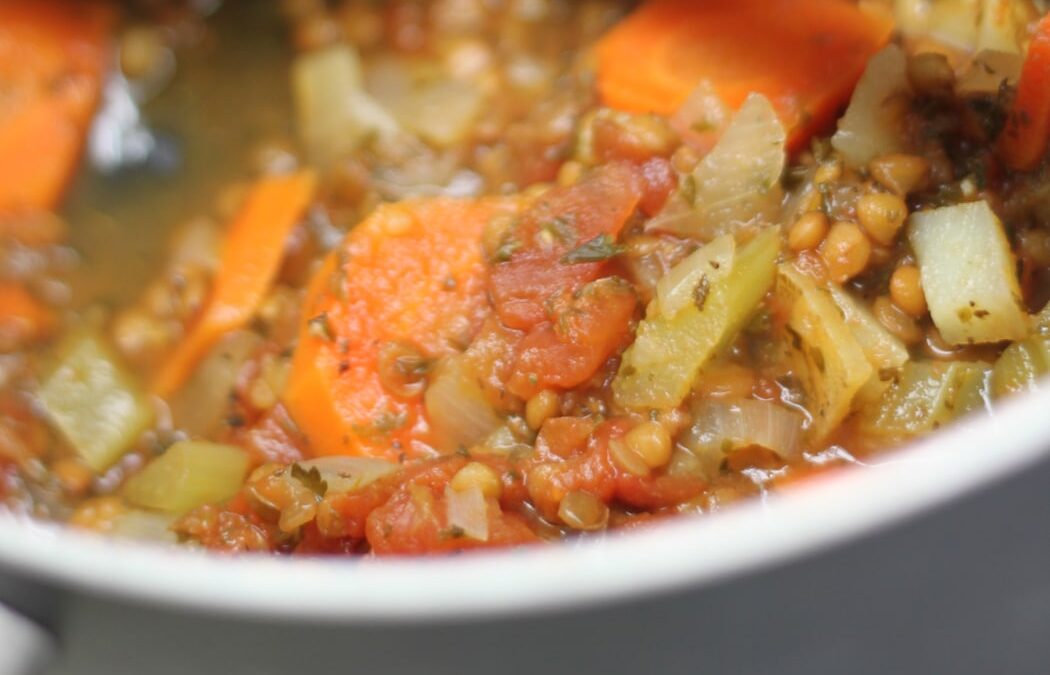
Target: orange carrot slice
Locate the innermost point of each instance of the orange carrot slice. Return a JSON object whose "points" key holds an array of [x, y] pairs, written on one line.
{"points": [[53, 55], [804, 55], [1024, 140], [250, 260], [412, 272]]}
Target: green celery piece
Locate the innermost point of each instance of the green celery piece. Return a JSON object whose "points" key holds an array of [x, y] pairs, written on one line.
{"points": [[1021, 365], [94, 402], [658, 370], [187, 475], [928, 395], [829, 360]]}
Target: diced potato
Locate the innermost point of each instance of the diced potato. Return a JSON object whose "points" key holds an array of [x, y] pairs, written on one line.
{"points": [[874, 121], [143, 526], [659, 369], [968, 274], [187, 475], [94, 402], [926, 396], [829, 360]]}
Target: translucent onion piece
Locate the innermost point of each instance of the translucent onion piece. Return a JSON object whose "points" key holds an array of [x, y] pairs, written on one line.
{"points": [[457, 407], [702, 118], [988, 72], [874, 121], [143, 525], [349, 474], [467, 511], [738, 182], [720, 427], [335, 115]]}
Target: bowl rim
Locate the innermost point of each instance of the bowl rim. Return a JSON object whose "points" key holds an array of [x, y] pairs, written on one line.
{"points": [[683, 552]]}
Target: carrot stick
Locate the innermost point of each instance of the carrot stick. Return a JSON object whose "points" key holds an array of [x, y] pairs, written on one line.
{"points": [[1024, 140], [804, 55], [53, 54], [22, 317], [250, 260], [409, 273]]}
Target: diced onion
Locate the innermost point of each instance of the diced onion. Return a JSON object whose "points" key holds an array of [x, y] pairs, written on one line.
{"points": [[874, 121], [349, 474], [335, 115], [468, 511], [702, 117], [738, 182], [719, 427], [457, 407]]}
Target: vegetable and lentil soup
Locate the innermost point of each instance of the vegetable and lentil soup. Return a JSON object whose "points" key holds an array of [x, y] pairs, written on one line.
{"points": [[416, 277]]}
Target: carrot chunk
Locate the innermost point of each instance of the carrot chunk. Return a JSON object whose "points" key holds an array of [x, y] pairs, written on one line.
{"points": [[804, 55], [1024, 140], [411, 273], [53, 55], [251, 258]]}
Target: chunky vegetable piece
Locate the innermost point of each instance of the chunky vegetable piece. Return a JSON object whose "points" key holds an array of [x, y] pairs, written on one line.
{"points": [[830, 361], [927, 395], [188, 474], [53, 55], [658, 370], [803, 55], [251, 258], [411, 272], [737, 184], [874, 122], [93, 401], [968, 274]]}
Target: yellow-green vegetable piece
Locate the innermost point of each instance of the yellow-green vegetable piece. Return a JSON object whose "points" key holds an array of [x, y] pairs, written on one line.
{"points": [[187, 475], [658, 370], [884, 350], [94, 402], [926, 396], [829, 360], [968, 274], [1021, 365]]}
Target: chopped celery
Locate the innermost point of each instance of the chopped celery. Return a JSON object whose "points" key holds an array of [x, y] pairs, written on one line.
{"points": [[94, 402], [1021, 365], [188, 474], [926, 396], [830, 361], [884, 350], [968, 274], [658, 370]]}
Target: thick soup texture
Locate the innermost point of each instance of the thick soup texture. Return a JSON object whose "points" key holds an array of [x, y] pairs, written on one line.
{"points": [[416, 277]]}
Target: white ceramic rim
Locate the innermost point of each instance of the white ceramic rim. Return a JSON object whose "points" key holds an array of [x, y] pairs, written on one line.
{"points": [[684, 552]]}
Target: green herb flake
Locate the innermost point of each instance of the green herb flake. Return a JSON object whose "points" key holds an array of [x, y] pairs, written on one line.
{"points": [[601, 248], [311, 478]]}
